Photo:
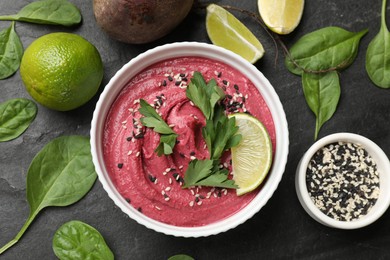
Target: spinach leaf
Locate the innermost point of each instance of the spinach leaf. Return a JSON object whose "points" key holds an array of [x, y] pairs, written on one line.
{"points": [[11, 52], [181, 257], [78, 240], [330, 48], [15, 117], [378, 55], [58, 12], [322, 93], [59, 175]]}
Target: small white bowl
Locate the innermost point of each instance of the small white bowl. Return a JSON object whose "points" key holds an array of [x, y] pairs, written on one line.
{"points": [[383, 166], [169, 51]]}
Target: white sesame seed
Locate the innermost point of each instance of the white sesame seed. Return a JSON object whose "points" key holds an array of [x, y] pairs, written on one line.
{"points": [[166, 198], [191, 203], [192, 192], [199, 203], [129, 152], [137, 154], [192, 158], [181, 167], [192, 103], [168, 188], [124, 122], [162, 192], [170, 181], [158, 208], [171, 125], [136, 101]]}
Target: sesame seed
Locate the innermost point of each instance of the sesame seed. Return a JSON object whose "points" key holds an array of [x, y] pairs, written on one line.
{"points": [[137, 154], [158, 208], [129, 152], [191, 203], [120, 165]]}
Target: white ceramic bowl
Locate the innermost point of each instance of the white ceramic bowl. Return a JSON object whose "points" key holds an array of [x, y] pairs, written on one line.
{"points": [[168, 51], [383, 166]]}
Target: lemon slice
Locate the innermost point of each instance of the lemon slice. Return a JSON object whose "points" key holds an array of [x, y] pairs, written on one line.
{"points": [[227, 31], [252, 157], [281, 16]]}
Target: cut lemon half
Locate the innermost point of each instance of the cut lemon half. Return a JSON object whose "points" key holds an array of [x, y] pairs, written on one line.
{"points": [[227, 31], [252, 157], [281, 16]]}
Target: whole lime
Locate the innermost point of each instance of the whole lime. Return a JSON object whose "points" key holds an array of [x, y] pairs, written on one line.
{"points": [[61, 71]]}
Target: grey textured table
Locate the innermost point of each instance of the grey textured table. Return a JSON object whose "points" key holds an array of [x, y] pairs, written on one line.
{"points": [[282, 229]]}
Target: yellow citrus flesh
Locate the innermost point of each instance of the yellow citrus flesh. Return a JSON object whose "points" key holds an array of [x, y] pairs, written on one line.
{"points": [[61, 71], [281, 16], [252, 157], [227, 31]]}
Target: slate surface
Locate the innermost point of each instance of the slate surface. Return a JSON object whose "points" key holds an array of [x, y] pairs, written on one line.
{"points": [[282, 229]]}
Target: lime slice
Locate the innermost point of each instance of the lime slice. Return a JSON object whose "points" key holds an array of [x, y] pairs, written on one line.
{"points": [[227, 31], [281, 16], [252, 157]]}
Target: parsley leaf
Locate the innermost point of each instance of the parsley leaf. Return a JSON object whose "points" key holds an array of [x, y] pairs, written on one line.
{"points": [[207, 173], [153, 120], [219, 134]]}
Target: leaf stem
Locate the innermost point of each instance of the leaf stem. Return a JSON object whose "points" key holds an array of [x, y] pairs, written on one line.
{"points": [[383, 18], [8, 18], [19, 235]]}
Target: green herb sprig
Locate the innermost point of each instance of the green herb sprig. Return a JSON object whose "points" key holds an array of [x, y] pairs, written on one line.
{"points": [[219, 134], [153, 120]]}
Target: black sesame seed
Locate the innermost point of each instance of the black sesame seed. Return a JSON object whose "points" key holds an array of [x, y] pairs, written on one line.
{"points": [[164, 83], [225, 82], [128, 200], [219, 74], [139, 136], [129, 138], [235, 86], [120, 165], [139, 209], [170, 78], [182, 75], [192, 153], [152, 178], [177, 83]]}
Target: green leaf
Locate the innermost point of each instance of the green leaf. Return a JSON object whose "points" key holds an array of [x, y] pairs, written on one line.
{"points": [[78, 240], [11, 52], [218, 179], [153, 120], [322, 93], [59, 175], [378, 55], [196, 171], [330, 48], [207, 173], [181, 257], [16, 116], [58, 12], [197, 93]]}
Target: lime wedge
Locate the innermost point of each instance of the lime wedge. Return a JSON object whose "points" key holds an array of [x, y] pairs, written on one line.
{"points": [[227, 31], [252, 157], [281, 16]]}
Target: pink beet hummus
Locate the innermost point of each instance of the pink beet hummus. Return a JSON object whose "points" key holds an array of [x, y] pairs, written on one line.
{"points": [[153, 184]]}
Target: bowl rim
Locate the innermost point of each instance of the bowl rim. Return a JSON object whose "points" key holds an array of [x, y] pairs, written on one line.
{"points": [[181, 49], [378, 156]]}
